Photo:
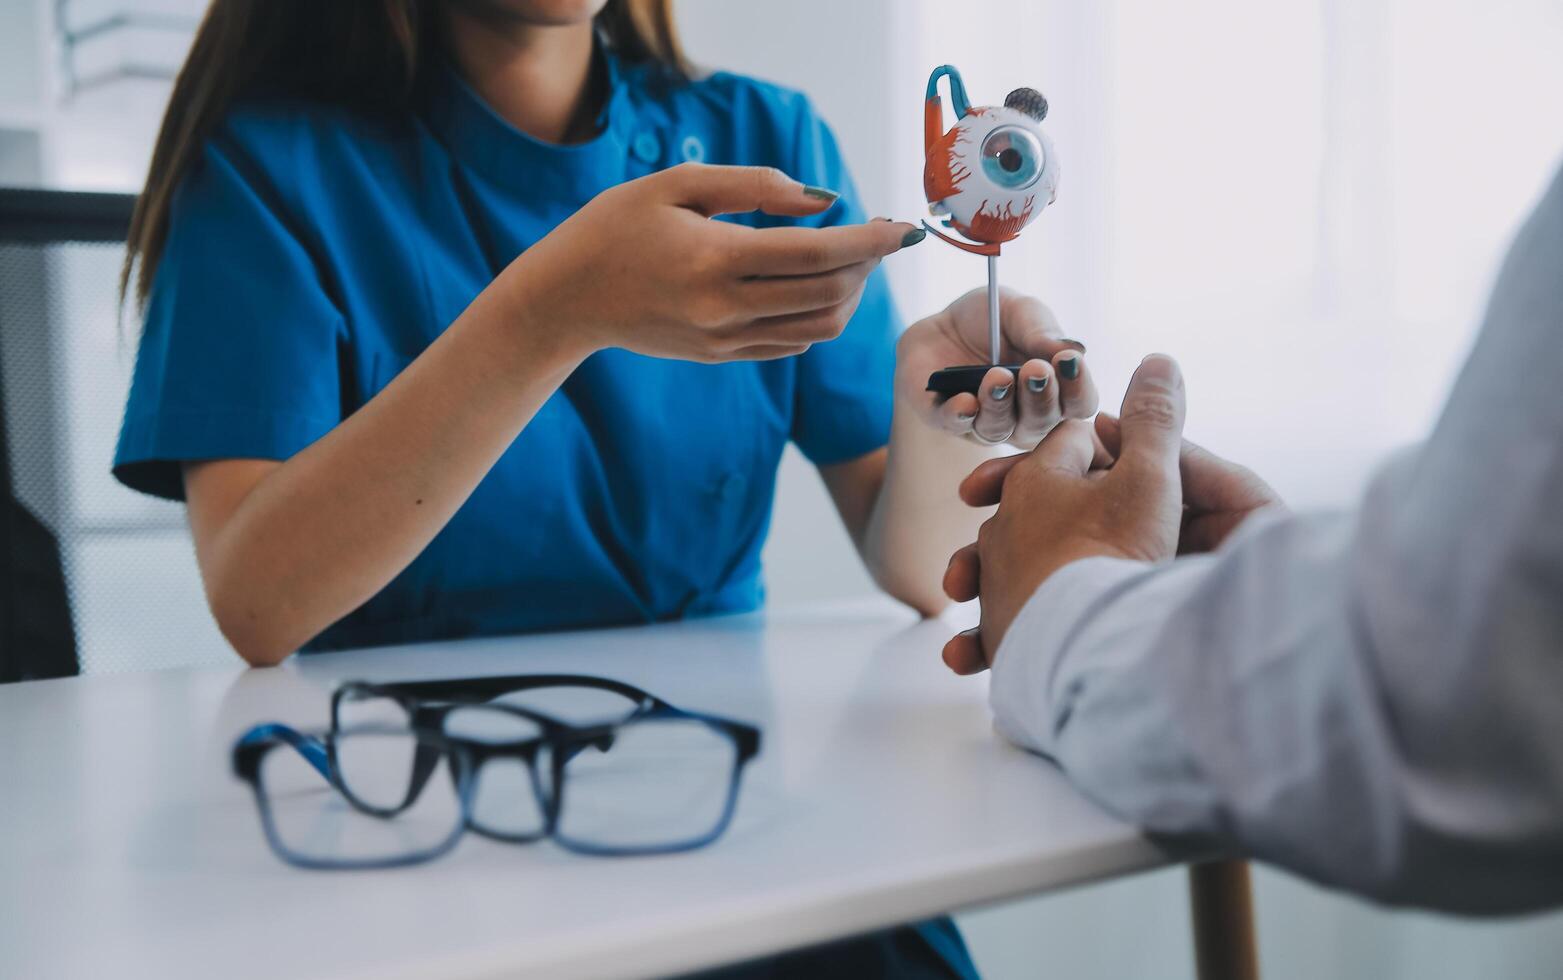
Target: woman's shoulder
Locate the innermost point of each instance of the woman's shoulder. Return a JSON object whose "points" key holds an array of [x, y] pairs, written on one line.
{"points": [[294, 133], [723, 94], [732, 90], [302, 158]]}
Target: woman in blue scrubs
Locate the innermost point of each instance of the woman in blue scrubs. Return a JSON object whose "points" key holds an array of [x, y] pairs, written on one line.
{"points": [[440, 339]]}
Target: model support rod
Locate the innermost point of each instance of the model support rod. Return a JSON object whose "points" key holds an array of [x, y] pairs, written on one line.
{"points": [[993, 309]]}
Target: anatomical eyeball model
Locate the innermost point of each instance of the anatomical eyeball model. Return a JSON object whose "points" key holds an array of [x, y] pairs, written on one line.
{"points": [[994, 170], [989, 175]]}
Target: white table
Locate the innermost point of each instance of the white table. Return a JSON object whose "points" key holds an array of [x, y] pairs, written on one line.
{"points": [[881, 796]]}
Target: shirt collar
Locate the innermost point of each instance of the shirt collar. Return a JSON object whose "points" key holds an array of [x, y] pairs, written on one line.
{"points": [[479, 136]]}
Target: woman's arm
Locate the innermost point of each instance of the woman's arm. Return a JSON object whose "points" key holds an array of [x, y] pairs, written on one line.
{"points": [[901, 504], [286, 549]]}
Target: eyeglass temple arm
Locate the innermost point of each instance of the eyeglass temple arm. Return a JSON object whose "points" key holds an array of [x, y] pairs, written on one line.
{"points": [[309, 746], [495, 686]]}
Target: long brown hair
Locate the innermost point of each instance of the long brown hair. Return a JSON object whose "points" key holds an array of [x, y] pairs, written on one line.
{"points": [[369, 54]]}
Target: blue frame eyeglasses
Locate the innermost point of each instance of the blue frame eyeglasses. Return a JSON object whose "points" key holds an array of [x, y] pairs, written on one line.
{"points": [[406, 768]]}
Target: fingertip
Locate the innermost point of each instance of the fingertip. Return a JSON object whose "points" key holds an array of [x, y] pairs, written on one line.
{"points": [[1068, 364], [949, 656], [823, 197], [969, 494], [958, 413], [1035, 376], [1069, 448], [799, 199], [954, 586], [976, 489], [963, 653], [983, 485], [962, 574], [997, 384], [1150, 424], [910, 235], [996, 421], [1039, 402], [1041, 394], [1160, 368]]}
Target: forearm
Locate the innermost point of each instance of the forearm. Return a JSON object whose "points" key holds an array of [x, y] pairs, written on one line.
{"points": [[917, 520], [1230, 698], [1320, 694], [321, 533]]}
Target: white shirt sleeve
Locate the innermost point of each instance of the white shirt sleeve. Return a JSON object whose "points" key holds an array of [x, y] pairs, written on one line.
{"points": [[1372, 699], [1028, 707]]}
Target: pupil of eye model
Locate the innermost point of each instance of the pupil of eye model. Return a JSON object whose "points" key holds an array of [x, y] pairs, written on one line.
{"points": [[1009, 159]]}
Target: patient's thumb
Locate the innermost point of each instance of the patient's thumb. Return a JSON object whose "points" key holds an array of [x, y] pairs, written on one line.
{"points": [[1151, 424]]}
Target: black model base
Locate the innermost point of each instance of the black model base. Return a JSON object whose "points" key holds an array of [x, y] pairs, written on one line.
{"points": [[968, 377]]}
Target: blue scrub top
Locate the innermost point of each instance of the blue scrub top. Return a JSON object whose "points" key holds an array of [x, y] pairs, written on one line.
{"points": [[314, 253]]}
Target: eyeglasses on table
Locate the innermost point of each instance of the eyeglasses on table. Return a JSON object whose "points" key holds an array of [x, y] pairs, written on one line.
{"points": [[406, 768]]}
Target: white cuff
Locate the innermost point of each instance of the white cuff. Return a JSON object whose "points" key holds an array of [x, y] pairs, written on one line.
{"points": [[1021, 691]]}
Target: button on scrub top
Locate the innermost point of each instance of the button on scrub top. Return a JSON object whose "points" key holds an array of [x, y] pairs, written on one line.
{"points": [[314, 253]]}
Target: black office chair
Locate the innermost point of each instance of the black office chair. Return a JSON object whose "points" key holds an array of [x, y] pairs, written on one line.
{"points": [[93, 577], [37, 638]]}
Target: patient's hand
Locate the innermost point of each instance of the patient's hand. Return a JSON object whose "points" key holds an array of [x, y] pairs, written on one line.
{"points": [[1055, 508], [1218, 495], [1136, 490]]}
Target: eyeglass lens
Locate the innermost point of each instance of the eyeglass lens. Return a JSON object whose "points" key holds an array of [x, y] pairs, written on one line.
{"points": [[662, 783], [315, 822]]}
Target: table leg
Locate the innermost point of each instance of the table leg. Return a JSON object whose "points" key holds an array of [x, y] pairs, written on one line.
{"points": [[1222, 906]]}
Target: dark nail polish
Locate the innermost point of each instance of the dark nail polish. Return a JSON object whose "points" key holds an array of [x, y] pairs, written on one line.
{"points": [[1072, 343], [913, 237], [1000, 392], [970, 632], [1069, 367], [823, 193], [1037, 385]]}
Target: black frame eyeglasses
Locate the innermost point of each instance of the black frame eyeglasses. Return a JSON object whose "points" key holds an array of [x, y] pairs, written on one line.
{"points": [[406, 768]]}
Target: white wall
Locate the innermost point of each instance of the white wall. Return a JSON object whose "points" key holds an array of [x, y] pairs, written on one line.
{"points": [[18, 67]]}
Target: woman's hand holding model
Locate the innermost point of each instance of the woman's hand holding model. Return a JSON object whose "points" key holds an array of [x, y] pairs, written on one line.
{"points": [[1054, 382], [641, 267], [897, 503]]}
